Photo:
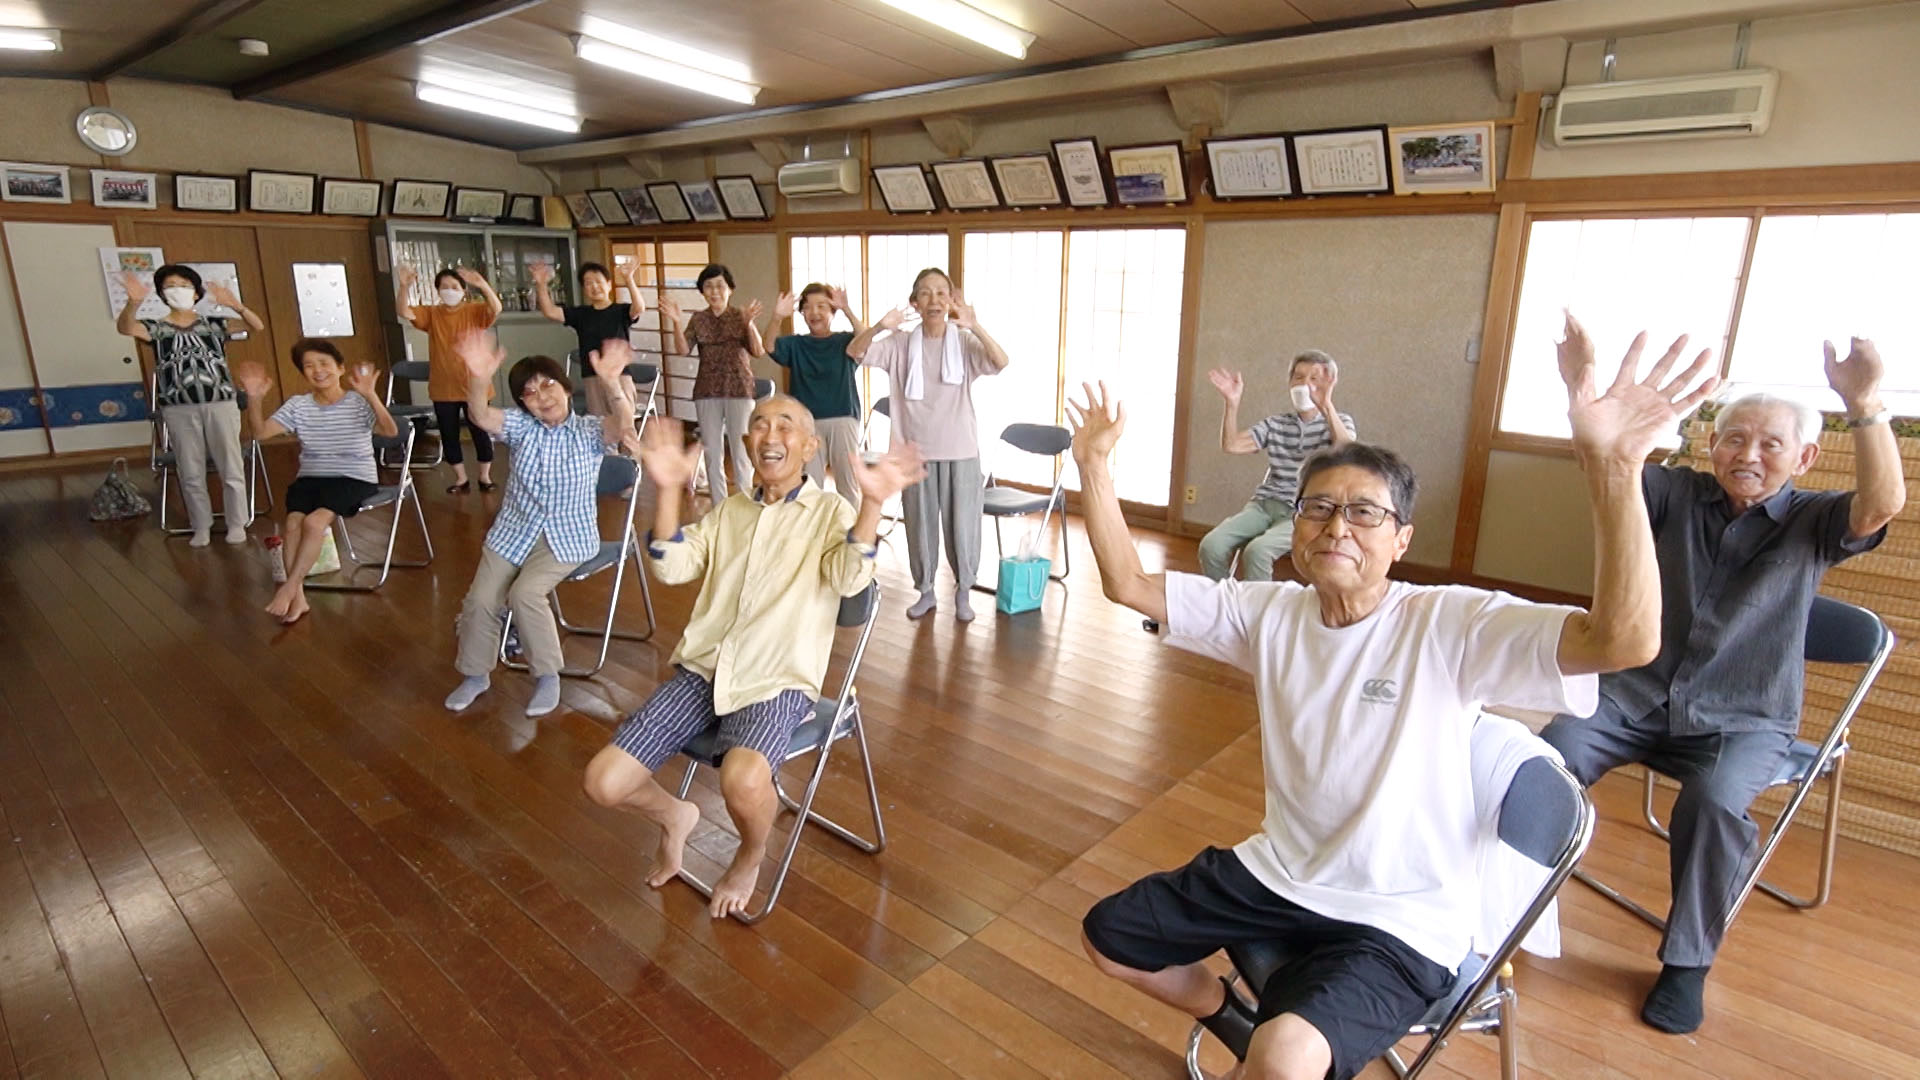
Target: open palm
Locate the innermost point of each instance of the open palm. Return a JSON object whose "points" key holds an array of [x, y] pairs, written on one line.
{"points": [[667, 462], [1097, 424], [1627, 422], [891, 473], [610, 360]]}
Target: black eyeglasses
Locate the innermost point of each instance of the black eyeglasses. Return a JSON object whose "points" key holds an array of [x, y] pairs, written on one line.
{"points": [[1361, 515]]}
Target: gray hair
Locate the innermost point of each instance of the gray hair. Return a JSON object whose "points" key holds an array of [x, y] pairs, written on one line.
{"points": [[1402, 486], [1315, 356], [1806, 419], [777, 398]]}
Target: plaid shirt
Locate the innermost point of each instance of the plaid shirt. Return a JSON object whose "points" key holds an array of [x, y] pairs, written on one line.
{"points": [[551, 488]]}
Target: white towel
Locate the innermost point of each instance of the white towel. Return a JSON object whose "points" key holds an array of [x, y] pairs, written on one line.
{"points": [[1508, 879], [953, 361]]}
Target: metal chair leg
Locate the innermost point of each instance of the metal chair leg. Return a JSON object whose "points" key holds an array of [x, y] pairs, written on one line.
{"points": [[1620, 898], [606, 632], [344, 536]]}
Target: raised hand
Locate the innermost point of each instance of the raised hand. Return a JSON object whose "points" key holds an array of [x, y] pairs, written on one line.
{"points": [[1857, 378], [611, 359], [667, 463], [1097, 424], [136, 286], [223, 295], [542, 273], [626, 271], [362, 379], [1229, 383], [406, 276], [783, 306], [838, 298], [480, 353], [1627, 421], [892, 319], [892, 473], [1322, 394], [253, 379], [754, 308], [670, 308], [471, 276], [960, 313]]}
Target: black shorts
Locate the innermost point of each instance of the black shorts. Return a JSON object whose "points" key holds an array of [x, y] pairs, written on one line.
{"points": [[1360, 987], [340, 494]]}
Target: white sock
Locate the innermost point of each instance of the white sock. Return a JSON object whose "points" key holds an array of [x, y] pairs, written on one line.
{"points": [[962, 605], [546, 695], [922, 607], [201, 538], [467, 692]]}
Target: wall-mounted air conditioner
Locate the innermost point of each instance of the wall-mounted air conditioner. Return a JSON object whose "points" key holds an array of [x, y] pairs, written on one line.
{"points": [[830, 176], [1687, 107]]}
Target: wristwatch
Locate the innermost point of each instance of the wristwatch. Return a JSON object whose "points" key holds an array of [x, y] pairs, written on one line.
{"points": [[1881, 417]]}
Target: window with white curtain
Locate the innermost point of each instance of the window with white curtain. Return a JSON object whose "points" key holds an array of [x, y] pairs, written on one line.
{"points": [[1013, 281], [890, 260]]}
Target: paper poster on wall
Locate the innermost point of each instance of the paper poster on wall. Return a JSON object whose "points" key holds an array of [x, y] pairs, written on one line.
{"points": [[115, 261], [325, 308]]}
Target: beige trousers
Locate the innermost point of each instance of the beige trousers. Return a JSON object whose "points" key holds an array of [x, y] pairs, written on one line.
{"points": [[839, 438], [499, 585], [196, 433]]}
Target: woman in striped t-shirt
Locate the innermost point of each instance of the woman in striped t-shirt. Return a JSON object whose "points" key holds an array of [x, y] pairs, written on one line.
{"points": [[336, 453]]}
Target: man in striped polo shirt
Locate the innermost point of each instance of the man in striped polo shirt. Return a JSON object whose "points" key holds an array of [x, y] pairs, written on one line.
{"points": [[1264, 528]]}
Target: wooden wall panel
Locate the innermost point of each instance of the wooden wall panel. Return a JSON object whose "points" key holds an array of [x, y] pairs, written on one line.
{"points": [[279, 250]]}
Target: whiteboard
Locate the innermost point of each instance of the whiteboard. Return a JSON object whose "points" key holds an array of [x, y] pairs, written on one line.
{"points": [[325, 308]]}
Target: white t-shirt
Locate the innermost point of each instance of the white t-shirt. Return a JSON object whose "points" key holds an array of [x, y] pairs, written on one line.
{"points": [[1366, 730]]}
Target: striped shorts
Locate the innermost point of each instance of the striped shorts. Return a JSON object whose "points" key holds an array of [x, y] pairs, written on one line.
{"points": [[683, 708]]}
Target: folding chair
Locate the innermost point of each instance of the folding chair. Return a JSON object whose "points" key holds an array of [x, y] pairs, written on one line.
{"points": [[1837, 633], [833, 719], [397, 495], [165, 463], [1546, 816], [1000, 501], [647, 375], [421, 413], [762, 389], [619, 479], [881, 407]]}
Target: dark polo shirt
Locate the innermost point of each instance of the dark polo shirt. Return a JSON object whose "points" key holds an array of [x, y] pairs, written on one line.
{"points": [[1734, 596]]}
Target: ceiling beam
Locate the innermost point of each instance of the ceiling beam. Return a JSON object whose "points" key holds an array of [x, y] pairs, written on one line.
{"points": [[446, 19], [198, 21]]}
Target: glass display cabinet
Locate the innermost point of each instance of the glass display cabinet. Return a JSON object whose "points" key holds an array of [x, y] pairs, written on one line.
{"points": [[506, 254]]}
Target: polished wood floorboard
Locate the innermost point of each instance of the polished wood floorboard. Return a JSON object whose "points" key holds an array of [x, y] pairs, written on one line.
{"points": [[240, 850]]}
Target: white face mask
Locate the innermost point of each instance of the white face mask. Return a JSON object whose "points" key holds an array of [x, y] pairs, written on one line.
{"points": [[450, 297], [1302, 398], [178, 297]]}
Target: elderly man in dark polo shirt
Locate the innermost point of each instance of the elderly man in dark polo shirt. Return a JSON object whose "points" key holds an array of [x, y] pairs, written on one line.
{"points": [[1741, 553]]}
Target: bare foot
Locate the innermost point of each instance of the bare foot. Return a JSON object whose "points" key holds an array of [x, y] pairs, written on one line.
{"points": [[734, 892], [673, 842], [297, 609], [282, 601]]}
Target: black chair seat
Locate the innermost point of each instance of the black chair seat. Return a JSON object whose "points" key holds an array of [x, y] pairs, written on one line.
{"points": [[382, 496], [809, 736], [1012, 502], [608, 554], [406, 410]]}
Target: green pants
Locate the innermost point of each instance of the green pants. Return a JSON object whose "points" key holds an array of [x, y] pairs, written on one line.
{"points": [[1264, 529]]}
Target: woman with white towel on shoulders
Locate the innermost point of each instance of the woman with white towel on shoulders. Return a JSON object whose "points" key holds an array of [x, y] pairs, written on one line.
{"points": [[931, 369]]}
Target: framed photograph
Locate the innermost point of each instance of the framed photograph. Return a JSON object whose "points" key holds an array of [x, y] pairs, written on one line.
{"points": [[741, 198], [125, 190], [580, 205], [966, 185], [904, 189], [282, 192], [1084, 182], [479, 202], [524, 209], [1027, 180], [1249, 167], [639, 206], [420, 198], [703, 201], [354, 198], [219, 193], [1351, 161], [23, 182], [1148, 174], [667, 200], [612, 210], [1440, 158]]}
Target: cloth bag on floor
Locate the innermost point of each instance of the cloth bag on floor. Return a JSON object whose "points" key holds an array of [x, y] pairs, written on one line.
{"points": [[116, 498]]}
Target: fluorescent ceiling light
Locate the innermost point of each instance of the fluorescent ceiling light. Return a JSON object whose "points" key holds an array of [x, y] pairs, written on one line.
{"points": [[504, 90], [653, 45], [651, 66], [969, 22], [500, 110], [12, 37]]}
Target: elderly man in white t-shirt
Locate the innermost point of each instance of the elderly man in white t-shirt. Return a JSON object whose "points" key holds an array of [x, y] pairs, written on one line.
{"points": [[1368, 690]]}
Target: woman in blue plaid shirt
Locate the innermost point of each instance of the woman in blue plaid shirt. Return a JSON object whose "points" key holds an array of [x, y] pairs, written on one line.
{"points": [[547, 525]]}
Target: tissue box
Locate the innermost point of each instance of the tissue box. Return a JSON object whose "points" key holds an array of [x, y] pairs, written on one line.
{"points": [[1021, 583]]}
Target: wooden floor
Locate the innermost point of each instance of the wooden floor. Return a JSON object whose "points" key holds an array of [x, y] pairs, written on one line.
{"points": [[241, 851]]}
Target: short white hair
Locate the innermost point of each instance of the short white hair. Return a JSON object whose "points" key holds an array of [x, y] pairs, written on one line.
{"points": [[1315, 356], [1806, 419]]}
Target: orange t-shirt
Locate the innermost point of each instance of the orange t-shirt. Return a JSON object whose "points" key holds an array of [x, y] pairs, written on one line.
{"points": [[446, 375]]}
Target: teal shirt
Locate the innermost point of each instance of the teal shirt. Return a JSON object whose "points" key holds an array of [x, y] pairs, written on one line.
{"points": [[822, 374]]}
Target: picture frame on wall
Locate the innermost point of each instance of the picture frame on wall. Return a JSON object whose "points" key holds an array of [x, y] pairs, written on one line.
{"points": [[740, 196], [125, 190], [639, 206], [612, 210], [1082, 180], [1249, 167], [904, 189], [1148, 174], [353, 198], [580, 205], [420, 198], [703, 202], [479, 203], [282, 192], [667, 199], [1027, 180], [220, 194], [966, 184], [1439, 159], [22, 181], [1346, 161], [524, 209]]}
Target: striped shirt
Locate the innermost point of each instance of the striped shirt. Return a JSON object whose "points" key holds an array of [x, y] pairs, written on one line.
{"points": [[551, 488], [190, 362], [1289, 441], [336, 439]]}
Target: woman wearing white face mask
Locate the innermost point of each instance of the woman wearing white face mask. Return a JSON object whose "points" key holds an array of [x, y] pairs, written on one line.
{"points": [[445, 323], [194, 392]]}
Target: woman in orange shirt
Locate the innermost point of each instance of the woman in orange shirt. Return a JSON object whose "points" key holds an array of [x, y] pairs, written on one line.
{"points": [[444, 324]]}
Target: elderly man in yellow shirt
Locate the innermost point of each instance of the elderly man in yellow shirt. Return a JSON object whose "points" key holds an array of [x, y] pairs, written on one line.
{"points": [[777, 561]]}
